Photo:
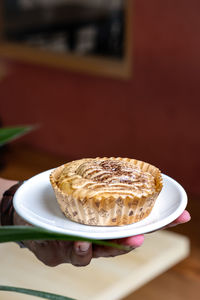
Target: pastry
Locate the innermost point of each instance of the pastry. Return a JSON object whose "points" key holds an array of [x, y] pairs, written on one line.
{"points": [[106, 191]]}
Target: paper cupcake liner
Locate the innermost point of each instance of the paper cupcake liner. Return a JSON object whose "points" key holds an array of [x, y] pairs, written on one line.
{"points": [[107, 211]]}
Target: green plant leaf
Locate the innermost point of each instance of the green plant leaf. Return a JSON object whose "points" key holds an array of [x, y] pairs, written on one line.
{"points": [[22, 233], [34, 293], [8, 134]]}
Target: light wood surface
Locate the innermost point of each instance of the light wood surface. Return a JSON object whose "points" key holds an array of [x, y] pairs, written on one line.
{"points": [[108, 279]]}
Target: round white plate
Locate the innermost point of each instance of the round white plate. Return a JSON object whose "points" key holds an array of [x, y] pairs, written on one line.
{"points": [[35, 202]]}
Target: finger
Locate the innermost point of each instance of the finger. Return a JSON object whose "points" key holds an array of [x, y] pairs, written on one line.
{"points": [[102, 251], [183, 218], [81, 254], [105, 251], [51, 253], [133, 242]]}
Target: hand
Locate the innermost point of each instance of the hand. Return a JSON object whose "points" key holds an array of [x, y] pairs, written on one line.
{"points": [[53, 253]]}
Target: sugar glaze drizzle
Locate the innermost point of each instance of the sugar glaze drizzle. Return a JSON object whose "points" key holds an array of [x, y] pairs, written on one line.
{"points": [[103, 176]]}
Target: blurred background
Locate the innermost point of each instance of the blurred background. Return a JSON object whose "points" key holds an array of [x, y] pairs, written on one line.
{"points": [[152, 115], [81, 26]]}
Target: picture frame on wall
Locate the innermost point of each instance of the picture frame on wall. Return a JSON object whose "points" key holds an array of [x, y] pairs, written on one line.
{"points": [[84, 36]]}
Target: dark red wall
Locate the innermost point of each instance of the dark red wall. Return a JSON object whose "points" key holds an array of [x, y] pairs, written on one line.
{"points": [[154, 116]]}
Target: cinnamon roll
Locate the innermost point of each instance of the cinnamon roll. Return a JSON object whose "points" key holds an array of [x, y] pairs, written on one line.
{"points": [[106, 191]]}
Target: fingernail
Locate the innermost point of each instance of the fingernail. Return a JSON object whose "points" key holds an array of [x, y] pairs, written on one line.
{"points": [[185, 217], [136, 241], [82, 247]]}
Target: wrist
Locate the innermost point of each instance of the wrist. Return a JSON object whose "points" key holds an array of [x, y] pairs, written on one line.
{"points": [[5, 184], [6, 205]]}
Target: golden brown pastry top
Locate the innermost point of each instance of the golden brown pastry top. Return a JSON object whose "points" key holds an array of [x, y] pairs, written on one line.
{"points": [[103, 177]]}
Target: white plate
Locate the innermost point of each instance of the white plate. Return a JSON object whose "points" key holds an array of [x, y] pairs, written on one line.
{"points": [[35, 202]]}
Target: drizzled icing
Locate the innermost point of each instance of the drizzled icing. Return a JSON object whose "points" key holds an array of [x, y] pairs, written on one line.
{"points": [[107, 176]]}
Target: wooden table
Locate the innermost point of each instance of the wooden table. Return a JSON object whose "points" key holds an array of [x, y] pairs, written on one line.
{"points": [[103, 279]]}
